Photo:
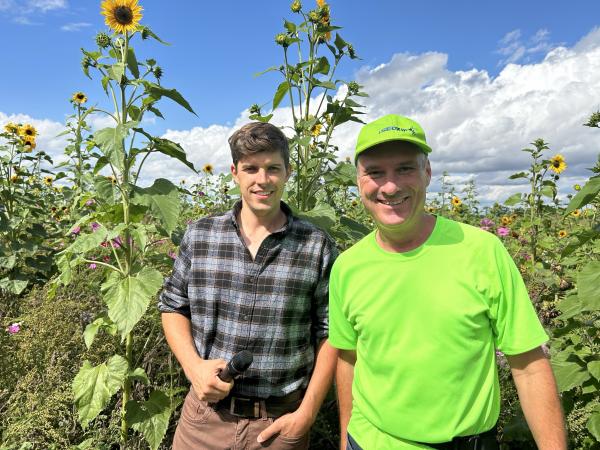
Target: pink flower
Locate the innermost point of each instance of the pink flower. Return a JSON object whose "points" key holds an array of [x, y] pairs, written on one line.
{"points": [[117, 242], [90, 202], [485, 222], [104, 244], [76, 230], [526, 256], [502, 231], [172, 254], [92, 266], [14, 328], [94, 226]]}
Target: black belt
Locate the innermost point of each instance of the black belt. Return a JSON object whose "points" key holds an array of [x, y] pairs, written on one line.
{"points": [[254, 407], [483, 441]]}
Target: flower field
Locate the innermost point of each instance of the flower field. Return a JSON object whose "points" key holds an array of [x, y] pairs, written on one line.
{"points": [[84, 247]]}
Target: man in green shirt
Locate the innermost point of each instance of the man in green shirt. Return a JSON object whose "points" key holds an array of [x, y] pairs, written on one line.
{"points": [[419, 307]]}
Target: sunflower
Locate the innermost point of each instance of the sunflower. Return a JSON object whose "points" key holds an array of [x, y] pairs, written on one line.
{"points": [[121, 16], [576, 213], [48, 180], [557, 163], [456, 202], [14, 178], [316, 129], [28, 143], [506, 220], [577, 187], [208, 168], [112, 179], [27, 130], [562, 234], [79, 97], [11, 128]]}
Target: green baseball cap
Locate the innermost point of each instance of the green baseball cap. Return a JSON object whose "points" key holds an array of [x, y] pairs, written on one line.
{"points": [[390, 128]]}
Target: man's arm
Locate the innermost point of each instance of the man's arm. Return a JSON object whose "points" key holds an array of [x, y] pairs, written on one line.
{"points": [[201, 373], [344, 376], [539, 398], [299, 422]]}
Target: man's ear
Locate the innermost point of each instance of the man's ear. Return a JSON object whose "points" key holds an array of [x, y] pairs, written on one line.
{"points": [[428, 171], [288, 171], [234, 173]]}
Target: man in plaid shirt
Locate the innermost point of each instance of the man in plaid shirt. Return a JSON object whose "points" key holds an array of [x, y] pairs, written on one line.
{"points": [[256, 279]]}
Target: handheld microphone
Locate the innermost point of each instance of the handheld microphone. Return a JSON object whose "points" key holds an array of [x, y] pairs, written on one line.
{"points": [[236, 366]]}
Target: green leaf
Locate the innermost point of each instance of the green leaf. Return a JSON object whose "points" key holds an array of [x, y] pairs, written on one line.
{"points": [[585, 195], [149, 32], [322, 215], [110, 142], [139, 374], [116, 71], [132, 63], [548, 191], [128, 298], [339, 42], [8, 262], [322, 66], [594, 369], [172, 149], [325, 84], [569, 374], [289, 26], [588, 286], [140, 235], [282, 89], [163, 199], [514, 176], [157, 91], [94, 386], [150, 418], [593, 425], [134, 113], [91, 330], [358, 229], [105, 190], [13, 286], [570, 306], [513, 199]]}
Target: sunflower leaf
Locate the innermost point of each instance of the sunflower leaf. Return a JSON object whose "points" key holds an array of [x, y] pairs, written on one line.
{"points": [[585, 195], [156, 92], [172, 149], [282, 89], [116, 71], [150, 418], [132, 63]]}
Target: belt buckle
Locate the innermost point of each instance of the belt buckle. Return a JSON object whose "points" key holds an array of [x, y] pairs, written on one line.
{"points": [[237, 404]]}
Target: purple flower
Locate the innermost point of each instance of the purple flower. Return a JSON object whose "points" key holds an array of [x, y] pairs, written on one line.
{"points": [[117, 242], [76, 230], [201, 194], [92, 266], [94, 226], [172, 254], [485, 222], [526, 256], [189, 221], [503, 231], [90, 202], [14, 328]]}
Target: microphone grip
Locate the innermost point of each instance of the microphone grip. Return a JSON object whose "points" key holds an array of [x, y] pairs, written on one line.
{"points": [[225, 374]]}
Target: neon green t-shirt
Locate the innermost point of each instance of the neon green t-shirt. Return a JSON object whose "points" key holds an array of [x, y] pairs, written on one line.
{"points": [[425, 325]]}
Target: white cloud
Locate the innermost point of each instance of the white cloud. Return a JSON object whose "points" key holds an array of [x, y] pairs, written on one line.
{"points": [[77, 26], [46, 5], [26, 9], [514, 49]]}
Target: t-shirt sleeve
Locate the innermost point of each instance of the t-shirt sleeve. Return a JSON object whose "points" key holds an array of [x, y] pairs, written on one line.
{"points": [[341, 331], [516, 326]]}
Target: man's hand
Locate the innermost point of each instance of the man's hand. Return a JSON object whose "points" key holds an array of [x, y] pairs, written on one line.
{"points": [[207, 385], [295, 424]]}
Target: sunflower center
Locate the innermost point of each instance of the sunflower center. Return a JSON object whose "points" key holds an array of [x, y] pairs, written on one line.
{"points": [[79, 96], [124, 15], [556, 164]]}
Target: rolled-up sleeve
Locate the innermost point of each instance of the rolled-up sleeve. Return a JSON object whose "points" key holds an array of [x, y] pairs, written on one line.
{"points": [[174, 295]]}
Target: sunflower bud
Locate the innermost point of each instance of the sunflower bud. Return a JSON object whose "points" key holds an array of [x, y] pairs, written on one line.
{"points": [[353, 87], [283, 40], [351, 51], [158, 72], [102, 40], [255, 109], [296, 6], [86, 62], [314, 16], [145, 33]]}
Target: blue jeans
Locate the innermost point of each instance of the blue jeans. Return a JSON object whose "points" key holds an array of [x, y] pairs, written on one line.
{"points": [[352, 444]]}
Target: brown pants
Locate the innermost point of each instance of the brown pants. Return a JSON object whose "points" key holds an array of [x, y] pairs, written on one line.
{"points": [[201, 427]]}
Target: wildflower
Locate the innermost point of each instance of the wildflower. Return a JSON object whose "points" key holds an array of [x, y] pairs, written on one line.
{"points": [[90, 202], [208, 168], [353, 87], [576, 213], [513, 217], [562, 234], [577, 187], [201, 194], [354, 203], [104, 244], [28, 143], [158, 72], [557, 163], [506, 220], [117, 242], [27, 130], [172, 254], [92, 266], [316, 129], [112, 179], [79, 97], [102, 40], [485, 222], [106, 258], [75, 230], [11, 128], [456, 202], [121, 16], [94, 226], [430, 209], [296, 6], [314, 16], [283, 40], [14, 178], [526, 256], [48, 180], [14, 328], [502, 231]]}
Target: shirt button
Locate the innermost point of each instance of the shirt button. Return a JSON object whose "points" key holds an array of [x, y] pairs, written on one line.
{"points": [[245, 317]]}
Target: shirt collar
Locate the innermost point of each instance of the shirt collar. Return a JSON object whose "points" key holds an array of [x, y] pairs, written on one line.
{"points": [[284, 207]]}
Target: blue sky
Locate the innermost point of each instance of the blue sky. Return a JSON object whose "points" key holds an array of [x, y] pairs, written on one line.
{"points": [[217, 47]]}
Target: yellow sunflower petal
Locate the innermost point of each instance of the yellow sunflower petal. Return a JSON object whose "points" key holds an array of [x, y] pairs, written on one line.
{"points": [[121, 16]]}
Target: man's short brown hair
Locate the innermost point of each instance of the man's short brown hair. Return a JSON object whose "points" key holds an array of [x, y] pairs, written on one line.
{"points": [[256, 137]]}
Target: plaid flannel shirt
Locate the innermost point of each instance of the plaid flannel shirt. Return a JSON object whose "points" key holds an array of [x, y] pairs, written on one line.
{"points": [[275, 306]]}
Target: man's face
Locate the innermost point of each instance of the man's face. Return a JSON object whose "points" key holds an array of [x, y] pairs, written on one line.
{"points": [[261, 178], [392, 181]]}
